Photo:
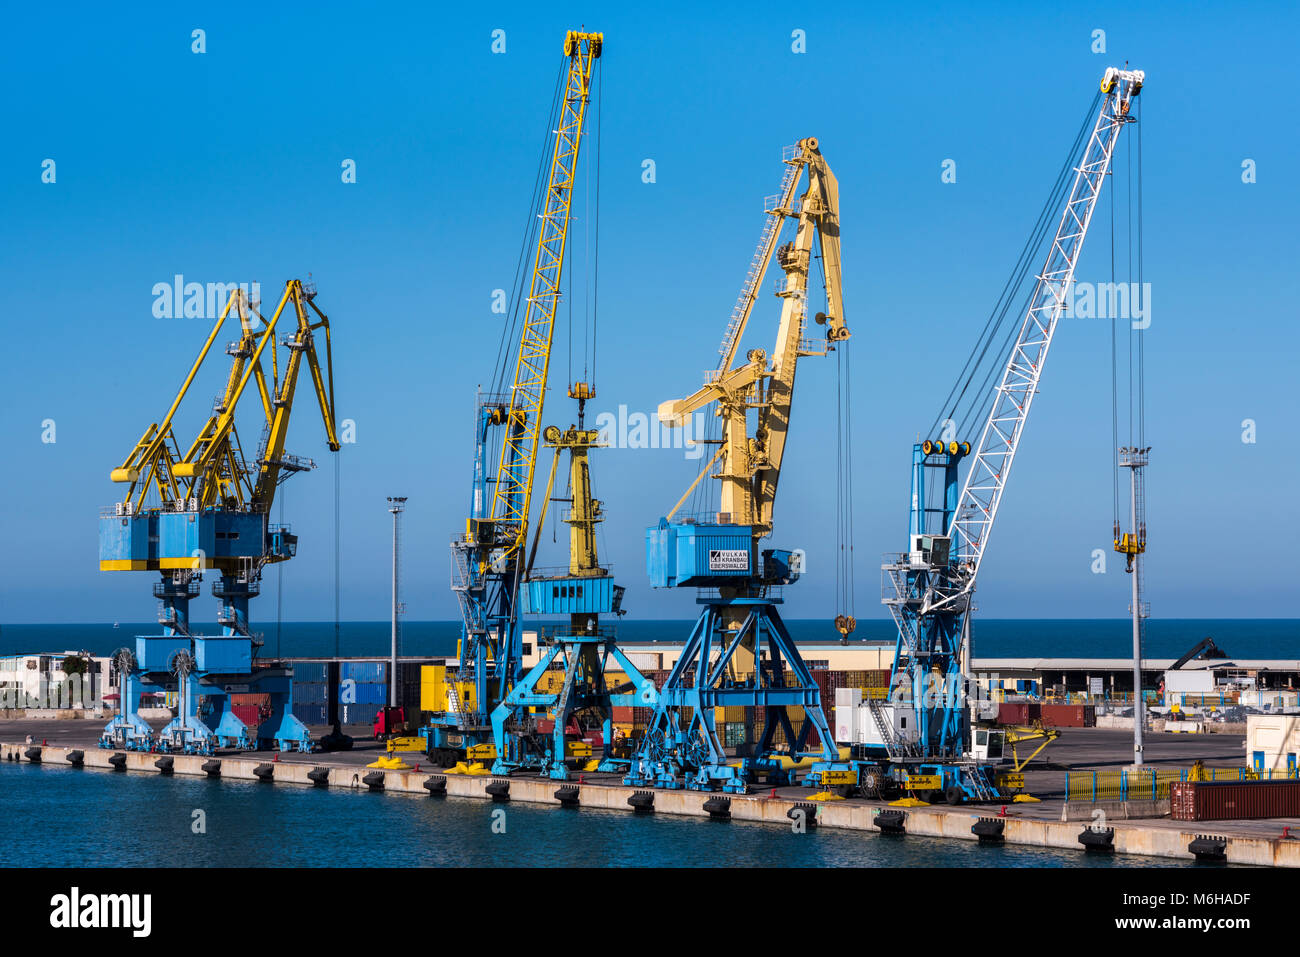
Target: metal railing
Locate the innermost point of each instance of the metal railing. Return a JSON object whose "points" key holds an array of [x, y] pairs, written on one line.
{"points": [[546, 636], [1155, 784]]}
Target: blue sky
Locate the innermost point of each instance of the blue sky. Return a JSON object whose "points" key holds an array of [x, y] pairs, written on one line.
{"points": [[226, 166]]}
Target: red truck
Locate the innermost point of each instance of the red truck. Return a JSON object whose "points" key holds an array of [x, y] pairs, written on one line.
{"points": [[389, 722]]}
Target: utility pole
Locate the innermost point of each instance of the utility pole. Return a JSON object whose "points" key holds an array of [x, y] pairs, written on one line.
{"points": [[396, 505]]}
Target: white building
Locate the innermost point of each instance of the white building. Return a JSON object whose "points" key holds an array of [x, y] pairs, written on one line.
{"points": [[1273, 742], [38, 681]]}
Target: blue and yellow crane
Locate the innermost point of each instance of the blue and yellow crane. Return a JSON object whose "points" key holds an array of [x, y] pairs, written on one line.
{"points": [[209, 509], [740, 653], [488, 559]]}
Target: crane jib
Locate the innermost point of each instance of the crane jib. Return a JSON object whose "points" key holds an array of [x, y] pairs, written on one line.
{"points": [[512, 497]]}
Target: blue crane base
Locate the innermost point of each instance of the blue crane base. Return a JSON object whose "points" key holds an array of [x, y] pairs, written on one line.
{"points": [[188, 733], [678, 753], [580, 691]]}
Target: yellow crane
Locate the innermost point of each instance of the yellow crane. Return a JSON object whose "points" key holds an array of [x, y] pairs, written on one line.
{"points": [[720, 666], [488, 559], [209, 508]]}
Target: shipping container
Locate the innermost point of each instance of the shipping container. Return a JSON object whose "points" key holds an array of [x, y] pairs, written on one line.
{"points": [[250, 714], [257, 700], [646, 662], [1234, 800], [313, 715], [358, 714], [310, 692], [1013, 712], [367, 694], [368, 672], [310, 672]]}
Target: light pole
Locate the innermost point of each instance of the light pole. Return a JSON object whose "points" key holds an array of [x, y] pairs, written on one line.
{"points": [[396, 505]]}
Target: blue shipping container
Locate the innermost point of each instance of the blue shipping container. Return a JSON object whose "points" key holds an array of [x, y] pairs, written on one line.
{"points": [[309, 692], [358, 693], [309, 714], [358, 714], [370, 672], [310, 672]]}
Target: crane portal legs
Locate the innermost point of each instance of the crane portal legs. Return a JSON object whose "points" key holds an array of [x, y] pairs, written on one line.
{"points": [[681, 746]]}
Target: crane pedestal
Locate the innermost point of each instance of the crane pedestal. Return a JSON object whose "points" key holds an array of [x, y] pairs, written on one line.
{"points": [[127, 730], [587, 651], [681, 747]]}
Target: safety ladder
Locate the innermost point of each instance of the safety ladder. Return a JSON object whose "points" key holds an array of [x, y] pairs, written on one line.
{"points": [[761, 255], [892, 744], [984, 790], [453, 699]]}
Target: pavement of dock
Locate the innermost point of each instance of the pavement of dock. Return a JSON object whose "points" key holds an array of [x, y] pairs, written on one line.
{"points": [[1259, 842]]}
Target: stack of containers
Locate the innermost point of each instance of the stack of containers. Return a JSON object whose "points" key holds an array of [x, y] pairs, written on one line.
{"points": [[366, 684], [309, 692]]}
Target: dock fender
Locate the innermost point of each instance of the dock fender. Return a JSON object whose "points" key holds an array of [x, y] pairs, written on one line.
{"points": [[1098, 840], [1209, 848], [718, 808], [891, 821], [805, 810], [989, 830]]}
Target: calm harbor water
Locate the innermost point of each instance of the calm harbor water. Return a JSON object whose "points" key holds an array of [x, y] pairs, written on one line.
{"points": [[1104, 638], [63, 817]]}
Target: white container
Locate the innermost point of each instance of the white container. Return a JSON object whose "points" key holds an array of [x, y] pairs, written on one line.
{"points": [[847, 702]]}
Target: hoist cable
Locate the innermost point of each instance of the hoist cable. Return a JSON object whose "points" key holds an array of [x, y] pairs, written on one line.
{"points": [[1001, 309], [536, 208], [1114, 372], [337, 554], [595, 267], [1128, 201], [1141, 291]]}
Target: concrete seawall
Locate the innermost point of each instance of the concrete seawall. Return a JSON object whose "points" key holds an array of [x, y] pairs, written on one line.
{"points": [[1161, 838]]}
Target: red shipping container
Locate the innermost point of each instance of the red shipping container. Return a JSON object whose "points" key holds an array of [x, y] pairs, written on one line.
{"points": [[1063, 715], [250, 714], [1013, 712], [1233, 800]]}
